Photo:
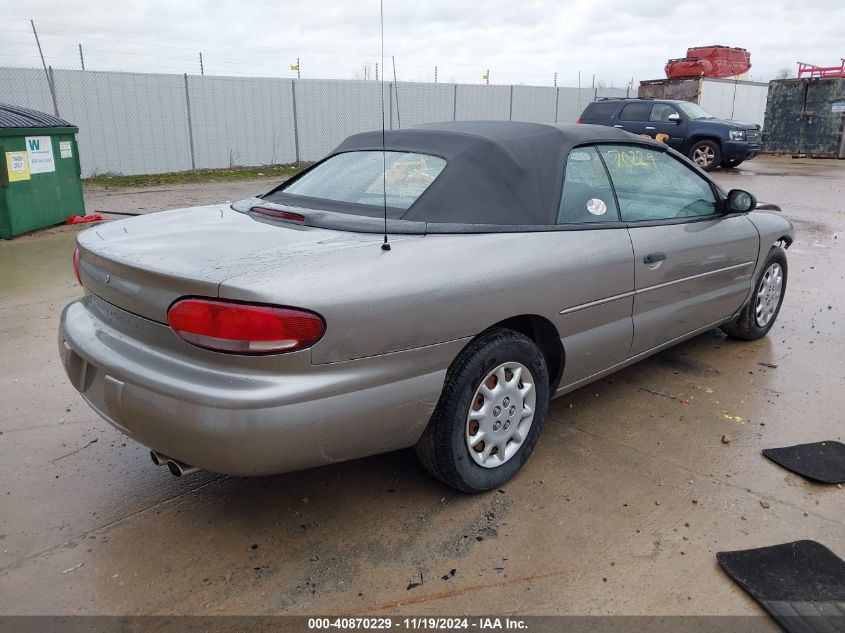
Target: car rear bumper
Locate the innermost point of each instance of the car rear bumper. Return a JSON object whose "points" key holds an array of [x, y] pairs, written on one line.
{"points": [[739, 150], [245, 415]]}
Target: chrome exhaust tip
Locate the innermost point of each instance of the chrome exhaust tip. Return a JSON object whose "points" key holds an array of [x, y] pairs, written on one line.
{"points": [[178, 469], [158, 458]]}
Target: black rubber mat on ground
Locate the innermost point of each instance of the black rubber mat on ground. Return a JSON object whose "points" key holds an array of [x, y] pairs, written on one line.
{"points": [[819, 461], [800, 584]]}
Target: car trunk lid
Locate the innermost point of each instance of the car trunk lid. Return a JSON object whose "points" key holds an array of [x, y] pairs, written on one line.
{"points": [[144, 264]]}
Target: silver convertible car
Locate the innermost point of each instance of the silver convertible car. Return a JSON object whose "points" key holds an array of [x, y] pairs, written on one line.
{"points": [[436, 291]]}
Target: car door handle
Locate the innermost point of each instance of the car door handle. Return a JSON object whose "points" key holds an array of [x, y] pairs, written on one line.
{"points": [[653, 258], [650, 127]]}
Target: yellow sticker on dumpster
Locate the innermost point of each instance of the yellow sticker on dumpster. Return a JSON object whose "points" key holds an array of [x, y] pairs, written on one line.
{"points": [[17, 166]]}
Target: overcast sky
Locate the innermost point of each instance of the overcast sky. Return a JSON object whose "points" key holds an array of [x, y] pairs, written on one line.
{"points": [[520, 41]]}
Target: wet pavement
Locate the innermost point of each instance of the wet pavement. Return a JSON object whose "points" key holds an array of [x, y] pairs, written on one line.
{"points": [[638, 480]]}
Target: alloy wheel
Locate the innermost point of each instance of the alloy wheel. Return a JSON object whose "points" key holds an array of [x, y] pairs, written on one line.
{"points": [[704, 155]]}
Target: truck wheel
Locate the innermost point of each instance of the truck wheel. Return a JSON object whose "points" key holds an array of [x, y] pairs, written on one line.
{"points": [[490, 413], [758, 316], [706, 154]]}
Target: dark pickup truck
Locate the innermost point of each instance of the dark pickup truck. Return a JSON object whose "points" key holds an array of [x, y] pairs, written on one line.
{"points": [[689, 129]]}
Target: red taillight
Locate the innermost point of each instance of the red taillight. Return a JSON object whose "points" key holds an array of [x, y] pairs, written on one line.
{"points": [[282, 215], [76, 265], [579, 122], [242, 328]]}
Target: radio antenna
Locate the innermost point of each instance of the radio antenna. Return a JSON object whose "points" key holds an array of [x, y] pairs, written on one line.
{"points": [[385, 246]]}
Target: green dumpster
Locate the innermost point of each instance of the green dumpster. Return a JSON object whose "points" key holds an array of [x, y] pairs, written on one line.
{"points": [[39, 171]]}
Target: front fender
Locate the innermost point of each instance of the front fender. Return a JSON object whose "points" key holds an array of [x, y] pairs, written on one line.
{"points": [[773, 228]]}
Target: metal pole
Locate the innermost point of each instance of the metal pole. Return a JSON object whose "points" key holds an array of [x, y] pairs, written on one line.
{"points": [[487, 76], [435, 74], [555, 80], [733, 102], [390, 96], [81, 58], [510, 106], [190, 124], [455, 104], [202, 70], [46, 74], [298, 76], [557, 101], [52, 80], [376, 71], [295, 118], [398, 118], [579, 91]]}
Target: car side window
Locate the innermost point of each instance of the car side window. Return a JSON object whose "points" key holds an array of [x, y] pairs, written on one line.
{"points": [[660, 112], [587, 194], [637, 111], [653, 185], [599, 111]]}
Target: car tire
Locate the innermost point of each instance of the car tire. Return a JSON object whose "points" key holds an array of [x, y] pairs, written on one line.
{"points": [[769, 290], [706, 154], [732, 163], [446, 444]]}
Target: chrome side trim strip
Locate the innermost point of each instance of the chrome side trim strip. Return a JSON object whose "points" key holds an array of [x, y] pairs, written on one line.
{"points": [[624, 295], [597, 302], [691, 277]]}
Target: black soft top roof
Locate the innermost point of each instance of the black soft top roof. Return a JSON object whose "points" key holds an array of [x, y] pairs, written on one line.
{"points": [[497, 172]]}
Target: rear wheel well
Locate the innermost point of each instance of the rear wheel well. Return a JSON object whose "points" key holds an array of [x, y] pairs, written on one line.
{"points": [[545, 335]]}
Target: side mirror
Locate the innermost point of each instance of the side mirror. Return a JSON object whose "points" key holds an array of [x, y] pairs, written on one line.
{"points": [[740, 201], [674, 118]]}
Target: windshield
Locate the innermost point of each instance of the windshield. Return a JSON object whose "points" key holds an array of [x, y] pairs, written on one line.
{"points": [[694, 111], [358, 178]]}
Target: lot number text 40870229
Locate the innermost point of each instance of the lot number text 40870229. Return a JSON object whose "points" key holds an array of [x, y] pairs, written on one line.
{"points": [[418, 624]]}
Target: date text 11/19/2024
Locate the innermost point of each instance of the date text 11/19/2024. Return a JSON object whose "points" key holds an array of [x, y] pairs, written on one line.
{"points": [[417, 624]]}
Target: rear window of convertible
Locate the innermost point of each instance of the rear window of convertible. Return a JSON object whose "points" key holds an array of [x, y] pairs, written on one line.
{"points": [[360, 177]]}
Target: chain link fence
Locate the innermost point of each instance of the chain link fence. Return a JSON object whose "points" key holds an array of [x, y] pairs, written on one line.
{"points": [[138, 123]]}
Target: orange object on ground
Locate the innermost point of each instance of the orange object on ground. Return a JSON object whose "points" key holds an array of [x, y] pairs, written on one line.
{"points": [[83, 219]]}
